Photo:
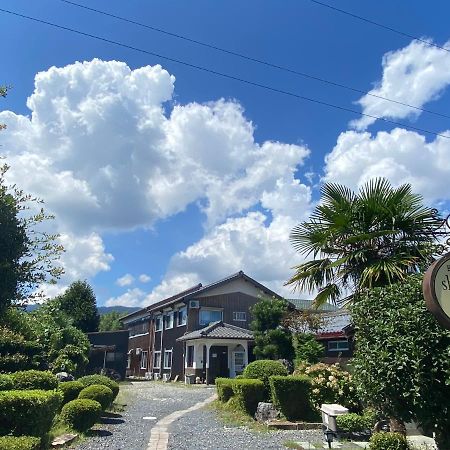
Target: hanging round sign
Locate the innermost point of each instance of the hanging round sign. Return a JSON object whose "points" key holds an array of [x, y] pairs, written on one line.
{"points": [[436, 290]]}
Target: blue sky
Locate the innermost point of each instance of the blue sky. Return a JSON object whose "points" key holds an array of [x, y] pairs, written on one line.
{"points": [[218, 173]]}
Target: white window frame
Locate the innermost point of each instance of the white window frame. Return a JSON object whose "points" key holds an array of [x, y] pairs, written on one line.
{"points": [[161, 320], [237, 314], [129, 360], [337, 349], [187, 356], [164, 359], [185, 316], [209, 309], [157, 353], [169, 314], [144, 358]]}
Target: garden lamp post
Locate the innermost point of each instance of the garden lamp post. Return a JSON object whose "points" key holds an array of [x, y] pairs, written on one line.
{"points": [[329, 435]]}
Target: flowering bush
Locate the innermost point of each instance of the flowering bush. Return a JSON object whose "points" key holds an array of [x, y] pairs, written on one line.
{"points": [[330, 384]]}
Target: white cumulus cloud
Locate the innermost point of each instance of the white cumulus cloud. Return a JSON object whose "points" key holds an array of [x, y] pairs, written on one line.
{"points": [[125, 280], [415, 75], [144, 278]]}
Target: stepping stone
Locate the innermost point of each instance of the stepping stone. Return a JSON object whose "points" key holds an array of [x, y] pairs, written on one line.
{"points": [[63, 439]]}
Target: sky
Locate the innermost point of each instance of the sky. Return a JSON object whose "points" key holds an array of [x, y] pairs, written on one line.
{"points": [[161, 175]]}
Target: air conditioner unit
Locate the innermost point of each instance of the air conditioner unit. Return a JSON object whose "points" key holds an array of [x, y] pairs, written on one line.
{"points": [[138, 351], [156, 376], [166, 376], [195, 304]]}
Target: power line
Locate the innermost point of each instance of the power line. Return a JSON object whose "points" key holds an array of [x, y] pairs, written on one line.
{"points": [[221, 74], [252, 59], [380, 25]]}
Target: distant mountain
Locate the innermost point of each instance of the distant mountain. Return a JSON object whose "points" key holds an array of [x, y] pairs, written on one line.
{"points": [[124, 310], [121, 309]]}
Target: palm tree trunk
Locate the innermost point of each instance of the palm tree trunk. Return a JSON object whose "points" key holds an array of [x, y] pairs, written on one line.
{"points": [[397, 425]]}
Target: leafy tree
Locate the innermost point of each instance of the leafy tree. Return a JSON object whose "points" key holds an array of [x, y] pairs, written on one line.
{"points": [[272, 340], [110, 321], [79, 303], [402, 361], [307, 348], [371, 238]]}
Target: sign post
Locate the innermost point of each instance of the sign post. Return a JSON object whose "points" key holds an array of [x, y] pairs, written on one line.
{"points": [[436, 290]]}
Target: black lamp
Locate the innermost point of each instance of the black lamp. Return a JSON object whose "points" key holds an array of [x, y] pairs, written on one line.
{"points": [[329, 435]]}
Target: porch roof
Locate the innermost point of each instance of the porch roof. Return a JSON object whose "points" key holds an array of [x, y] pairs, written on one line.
{"points": [[219, 330]]}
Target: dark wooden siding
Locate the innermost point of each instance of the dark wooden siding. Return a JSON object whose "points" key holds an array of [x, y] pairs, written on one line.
{"points": [[233, 302], [143, 342]]}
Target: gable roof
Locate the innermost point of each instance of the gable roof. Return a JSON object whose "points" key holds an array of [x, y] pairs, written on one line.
{"points": [[218, 330], [307, 305]]}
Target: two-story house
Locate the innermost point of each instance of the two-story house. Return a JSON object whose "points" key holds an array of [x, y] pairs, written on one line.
{"points": [[202, 331]]}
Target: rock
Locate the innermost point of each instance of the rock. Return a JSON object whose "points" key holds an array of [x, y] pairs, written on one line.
{"points": [[63, 439], [266, 412], [64, 376]]}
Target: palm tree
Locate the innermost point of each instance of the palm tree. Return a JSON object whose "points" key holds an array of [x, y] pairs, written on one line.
{"points": [[370, 238]]}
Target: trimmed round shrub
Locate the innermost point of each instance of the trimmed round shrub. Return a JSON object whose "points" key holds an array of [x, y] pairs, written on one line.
{"points": [[99, 393], [20, 443], [6, 383], [224, 389], [388, 441], [70, 390], [81, 414], [262, 370], [34, 379], [291, 395], [89, 380], [352, 423], [28, 412]]}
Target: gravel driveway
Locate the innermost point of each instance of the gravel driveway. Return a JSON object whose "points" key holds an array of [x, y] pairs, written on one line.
{"points": [[197, 430], [143, 399]]}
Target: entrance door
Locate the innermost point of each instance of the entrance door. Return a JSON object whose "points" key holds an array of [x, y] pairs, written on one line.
{"points": [[218, 363]]}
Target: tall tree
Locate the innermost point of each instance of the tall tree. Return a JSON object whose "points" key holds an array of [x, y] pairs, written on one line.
{"points": [[373, 237], [110, 321], [272, 339], [79, 303]]}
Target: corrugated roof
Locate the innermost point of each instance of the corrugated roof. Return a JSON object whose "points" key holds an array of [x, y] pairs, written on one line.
{"points": [[335, 322], [306, 305], [218, 330]]}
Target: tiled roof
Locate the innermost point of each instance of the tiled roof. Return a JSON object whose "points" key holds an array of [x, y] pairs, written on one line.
{"points": [[218, 330], [306, 305], [335, 322]]}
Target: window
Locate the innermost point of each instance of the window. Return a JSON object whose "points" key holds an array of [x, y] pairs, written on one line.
{"points": [[190, 356], [239, 361], [158, 323], [157, 360], [139, 329], [182, 317], [144, 358], [338, 346], [129, 361], [210, 315], [239, 316], [167, 359], [168, 320]]}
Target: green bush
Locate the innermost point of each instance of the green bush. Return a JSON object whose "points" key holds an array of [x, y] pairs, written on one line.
{"points": [[6, 383], [388, 441], [70, 390], [99, 393], [247, 394], [291, 395], [352, 423], [20, 443], [224, 389], [34, 379], [262, 370], [28, 412], [88, 380], [81, 414]]}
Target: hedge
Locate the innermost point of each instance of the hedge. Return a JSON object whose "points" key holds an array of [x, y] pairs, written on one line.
{"points": [[70, 390], [6, 383], [388, 441], [247, 394], [81, 414], [262, 370], [20, 443], [34, 379], [351, 423], [99, 393], [28, 412], [291, 395], [89, 380], [224, 389]]}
